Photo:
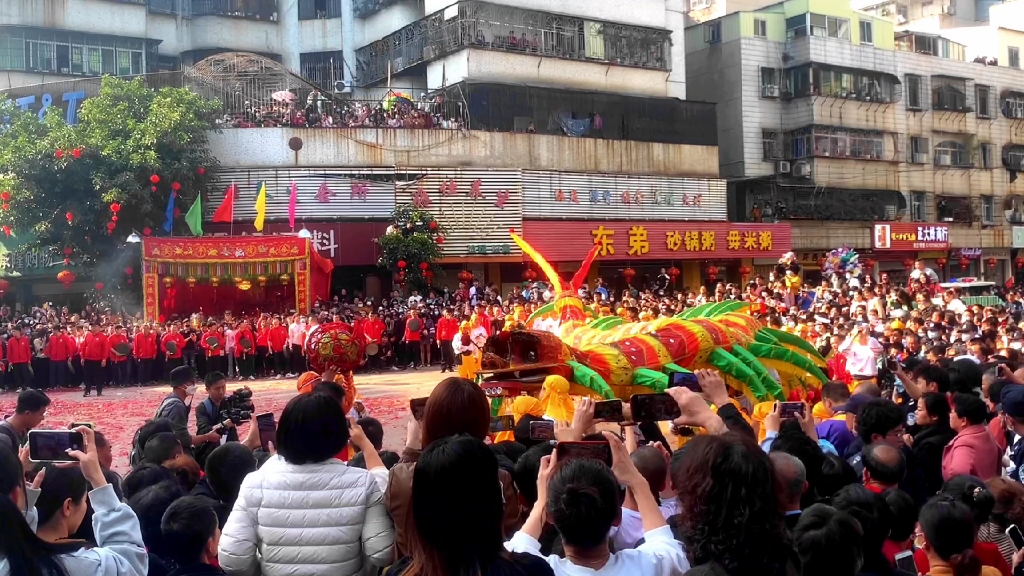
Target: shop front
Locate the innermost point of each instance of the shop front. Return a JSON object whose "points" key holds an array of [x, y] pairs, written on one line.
{"points": [[28, 276], [635, 252], [896, 245]]}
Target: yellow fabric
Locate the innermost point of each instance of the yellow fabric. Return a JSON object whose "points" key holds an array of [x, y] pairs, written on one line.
{"points": [[897, 324], [793, 283], [820, 412], [470, 365], [555, 399], [519, 407], [761, 411]]}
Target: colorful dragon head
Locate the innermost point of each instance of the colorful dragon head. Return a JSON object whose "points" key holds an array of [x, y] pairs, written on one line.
{"points": [[569, 308]]}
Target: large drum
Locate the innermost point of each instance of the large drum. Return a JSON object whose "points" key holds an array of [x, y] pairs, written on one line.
{"points": [[333, 346]]}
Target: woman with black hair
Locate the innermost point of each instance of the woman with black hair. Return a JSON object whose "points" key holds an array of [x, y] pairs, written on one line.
{"points": [[949, 539], [870, 510], [449, 473], [61, 504], [581, 498], [120, 550]]}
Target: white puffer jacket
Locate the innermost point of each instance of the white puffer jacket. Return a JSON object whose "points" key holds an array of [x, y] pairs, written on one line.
{"points": [[306, 520]]}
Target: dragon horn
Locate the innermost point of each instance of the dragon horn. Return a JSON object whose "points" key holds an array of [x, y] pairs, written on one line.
{"points": [[553, 278], [580, 278]]}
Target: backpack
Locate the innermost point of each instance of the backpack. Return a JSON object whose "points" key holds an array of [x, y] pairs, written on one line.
{"points": [[135, 455]]}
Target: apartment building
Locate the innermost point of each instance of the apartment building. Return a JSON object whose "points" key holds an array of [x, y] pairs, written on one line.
{"points": [[833, 121]]}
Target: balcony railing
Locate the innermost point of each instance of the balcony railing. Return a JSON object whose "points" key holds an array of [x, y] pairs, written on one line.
{"points": [[475, 24], [390, 112], [366, 8], [250, 9]]}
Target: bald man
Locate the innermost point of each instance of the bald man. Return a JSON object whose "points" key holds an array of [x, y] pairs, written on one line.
{"points": [[884, 467], [790, 484]]}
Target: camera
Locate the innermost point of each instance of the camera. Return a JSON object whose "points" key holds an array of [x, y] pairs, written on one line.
{"points": [[237, 406]]}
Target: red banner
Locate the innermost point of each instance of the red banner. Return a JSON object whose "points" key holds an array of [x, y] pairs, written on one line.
{"points": [[910, 236], [150, 292], [227, 249], [624, 240]]}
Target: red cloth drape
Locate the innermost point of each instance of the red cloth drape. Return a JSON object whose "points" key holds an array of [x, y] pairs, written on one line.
{"points": [[183, 301]]}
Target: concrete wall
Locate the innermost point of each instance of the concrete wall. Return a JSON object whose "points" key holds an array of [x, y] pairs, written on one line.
{"points": [[268, 147], [715, 76], [388, 20], [95, 16]]}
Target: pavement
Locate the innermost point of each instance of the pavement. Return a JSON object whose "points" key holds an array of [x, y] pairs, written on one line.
{"points": [[120, 411]]}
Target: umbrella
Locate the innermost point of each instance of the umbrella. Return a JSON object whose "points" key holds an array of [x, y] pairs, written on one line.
{"points": [[283, 96], [397, 98]]}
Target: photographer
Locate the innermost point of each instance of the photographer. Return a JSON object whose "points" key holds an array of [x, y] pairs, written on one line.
{"points": [[174, 409], [210, 416]]}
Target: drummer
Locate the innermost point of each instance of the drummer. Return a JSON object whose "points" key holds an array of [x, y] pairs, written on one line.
{"points": [[120, 368], [245, 353], [213, 347], [373, 332]]}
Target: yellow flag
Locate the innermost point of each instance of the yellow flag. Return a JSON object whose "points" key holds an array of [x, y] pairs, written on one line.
{"points": [[261, 206]]}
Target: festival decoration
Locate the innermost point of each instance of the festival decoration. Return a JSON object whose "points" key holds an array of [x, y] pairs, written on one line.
{"points": [[7, 230], [129, 270], [154, 179], [841, 262], [284, 278], [244, 285], [529, 275], [191, 281], [58, 154], [744, 272], [261, 280], [424, 266], [465, 276], [992, 263], [964, 262], [401, 264], [333, 346], [941, 261], [147, 231], [66, 277], [215, 281], [76, 153], [411, 238], [70, 217], [712, 272], [5, 196], [98, 286], [68, 250], [200, 170], [869, 264], [4, 286], [115, 207], [628, 274], [175, 186], [610, 358], [1019, 261], [674, 273], [168, 281]]}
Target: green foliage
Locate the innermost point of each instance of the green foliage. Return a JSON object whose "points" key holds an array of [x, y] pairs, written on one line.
{"points": [[411, 238], [126, 134]]}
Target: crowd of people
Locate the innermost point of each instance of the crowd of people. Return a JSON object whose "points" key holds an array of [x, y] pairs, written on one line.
{"points": [[907, 461]]}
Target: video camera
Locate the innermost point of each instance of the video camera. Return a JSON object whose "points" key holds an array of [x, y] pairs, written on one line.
{"points": [[237, 406]]}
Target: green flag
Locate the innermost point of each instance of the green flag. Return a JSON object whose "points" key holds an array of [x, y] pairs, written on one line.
{"points": [[194, 217]]}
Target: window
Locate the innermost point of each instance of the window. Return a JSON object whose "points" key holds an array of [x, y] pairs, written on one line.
{"points": [[313, 9], [796, 26], [73, 53], [771, 145], [1014, 56], [988, 210], [918, 150], [952, 153], [915, 84], [798, 82], [699, 4], [1013, 106], [838, 28], [12, 50], [949, 94], [713, 32], [919, 206], [987, 160], [819, 25], [866, 32], [984, 98], [322, 68], [760, 28], [770, 82], [833, 142]]}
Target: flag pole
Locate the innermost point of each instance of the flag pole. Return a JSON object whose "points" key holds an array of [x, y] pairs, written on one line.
{"points": [[231, 223]]}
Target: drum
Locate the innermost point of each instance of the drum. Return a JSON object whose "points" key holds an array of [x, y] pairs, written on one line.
{"points": [[414, 325], [372, 349], [172, 347], [122, 348], [333, 346], [246, 344], [213, 342]]}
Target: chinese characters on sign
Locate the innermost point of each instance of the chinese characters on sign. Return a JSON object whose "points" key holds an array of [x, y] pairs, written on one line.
{"points": [[23, 260], [688, 241], [900, 236], [421, 198], [325, 243], [490, 249], [656, 197]]}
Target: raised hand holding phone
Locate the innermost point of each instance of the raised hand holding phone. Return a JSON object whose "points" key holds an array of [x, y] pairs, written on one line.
{"points": [[89, 459]]}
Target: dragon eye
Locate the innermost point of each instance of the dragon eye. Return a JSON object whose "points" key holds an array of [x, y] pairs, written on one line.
{"points": [[531, 356]]}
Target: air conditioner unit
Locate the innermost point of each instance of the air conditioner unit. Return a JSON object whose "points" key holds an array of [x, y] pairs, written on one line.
{"points": [[802, 170], [949, 9], [920, 158], [343, 87], [942, 160], [770, 91], [782, 167], [1015, 112]]}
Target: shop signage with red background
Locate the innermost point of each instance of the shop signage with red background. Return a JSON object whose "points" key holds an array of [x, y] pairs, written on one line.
{"points": [[633, 240], [343, 243], [910, 236]]}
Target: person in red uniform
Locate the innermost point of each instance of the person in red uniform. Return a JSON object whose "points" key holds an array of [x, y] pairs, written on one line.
{"points": [[246, 359], [19, 354], [411, 338], [373, 333], [447, 329], [265, 357], [121, 368], [172, 359], [214, 354], [95, 351], [277, 338], [144, 350], [60, 348]]}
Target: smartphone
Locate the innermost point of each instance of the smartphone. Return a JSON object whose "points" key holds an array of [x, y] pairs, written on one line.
{"points": [[791, 409], [542, 430], [608, 411], [684, 380], [892, 364], [653, 407], [905, 561], [52, 445], [416, 406], [593, 450], [88, 425], [503, 423], [268, 429], [1014, 533]]}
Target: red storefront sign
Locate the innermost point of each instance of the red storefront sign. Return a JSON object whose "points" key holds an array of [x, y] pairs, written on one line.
{"points": [[343, 243], [910, 236], [565, 241]]}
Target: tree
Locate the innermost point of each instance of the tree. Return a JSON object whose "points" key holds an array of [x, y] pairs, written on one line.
{"points": [[63, 182], [413, 239]]}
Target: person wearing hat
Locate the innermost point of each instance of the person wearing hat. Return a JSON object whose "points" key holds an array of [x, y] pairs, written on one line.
{"points": [[173, 408]]}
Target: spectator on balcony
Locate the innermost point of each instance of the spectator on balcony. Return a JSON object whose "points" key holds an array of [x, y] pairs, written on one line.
{"points": [[480, 40]]}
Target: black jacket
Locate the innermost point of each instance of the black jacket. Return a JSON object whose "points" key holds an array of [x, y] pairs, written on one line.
{"points": [[197, 570], [927, 451]]}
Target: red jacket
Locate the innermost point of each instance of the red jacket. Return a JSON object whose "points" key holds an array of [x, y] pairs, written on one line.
{"points": [[447, 328], [373, 330], [219, 350], [95, 347], [145, 346], [60, 347], [261, 336], [114, 340], [239, 336], [19, 351], [177, 339], [277, 337]]}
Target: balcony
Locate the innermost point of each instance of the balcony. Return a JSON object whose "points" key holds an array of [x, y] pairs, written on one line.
{"points": [[955, 209], [1013, 104], [486, 26], [950, 94], [837, 142], [367, 8], [248, 9], [930, 44], [845, 83], [764, 202]]}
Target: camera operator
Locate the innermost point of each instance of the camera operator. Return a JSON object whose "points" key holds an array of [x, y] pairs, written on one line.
{"points": [[210, 418]]}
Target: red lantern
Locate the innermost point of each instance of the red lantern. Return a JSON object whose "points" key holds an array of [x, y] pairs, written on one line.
{"points": [[941, 261], [5, 196], [111, 226], [70, 217], [429, 275], [1019, 261], [153, 188], [673, 273], [821, 263], [68, 250], [58, 154], [433, 225], [113, 218], [66, 277], [154, 179], [399, 279], [712, 271], [147, 231], [7, 229], [129, 270], [168, 281], [99, 286], [869, 264], [177, 212], [964, 262], [115, 207], [200, 170], [5, 206], [628, 274], [77, 153], [424, 265], [401, 264], [992, 263], [175, 186], [67, 261], [440, 240], [465, 276], [745, 271], [529, 275], [908, 263], [4, 286]]}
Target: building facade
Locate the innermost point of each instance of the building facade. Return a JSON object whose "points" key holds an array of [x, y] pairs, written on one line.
{"points": [[832, 121]]}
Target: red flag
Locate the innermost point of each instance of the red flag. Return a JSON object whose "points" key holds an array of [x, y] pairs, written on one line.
{"points": [[225, 212]]}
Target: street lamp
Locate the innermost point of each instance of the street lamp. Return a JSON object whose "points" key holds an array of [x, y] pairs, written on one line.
{"points": [[134, 238], [305, 233]]}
